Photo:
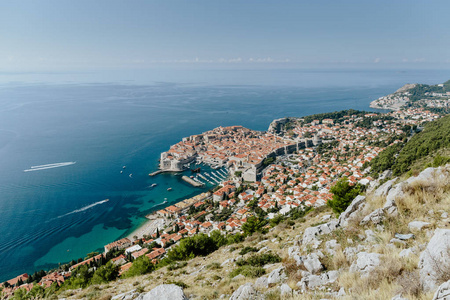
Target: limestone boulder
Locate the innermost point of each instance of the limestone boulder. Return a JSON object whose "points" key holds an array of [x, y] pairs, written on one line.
{"points": [[313, 282], [285, 290], [244, 292], [166, 292], [390, 207], [276, 276], [128, 296], [443, 292], [383, 189], [312, 263], [331, 246], [370, 236], [365, 263], [434, 261], [408, 252], [418, 225], [356, 206], [428, 175], [261, 283], [376, 217], [311, 233], [350, 253]]}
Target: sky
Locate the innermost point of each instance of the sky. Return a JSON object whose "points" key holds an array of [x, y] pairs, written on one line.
{"points": [[76, 35]]}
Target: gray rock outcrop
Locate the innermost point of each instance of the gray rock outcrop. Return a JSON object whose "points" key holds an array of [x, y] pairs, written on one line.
{"points": [[261, 283], [312, 263], [318, 281], [443, 292], [383, 189], [376, 217], [285, 290], [417, 225], [128, 296], [311, 233], [434, 261], [166, 292], [365, 263], [356, 206], [276, 276], [244, 292]]}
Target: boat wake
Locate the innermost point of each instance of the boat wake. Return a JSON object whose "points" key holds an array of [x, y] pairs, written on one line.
{"points": [[49, 166], [84, 208]]}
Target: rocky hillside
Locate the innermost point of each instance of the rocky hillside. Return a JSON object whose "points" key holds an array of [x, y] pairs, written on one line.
{"points": [[392, 243]]}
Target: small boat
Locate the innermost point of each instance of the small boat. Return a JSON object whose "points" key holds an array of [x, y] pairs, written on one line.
{"points": [[197, 170], [169, 189], [131, 175], [124, 167], [153, 185], [165, 201], [121, 172]]}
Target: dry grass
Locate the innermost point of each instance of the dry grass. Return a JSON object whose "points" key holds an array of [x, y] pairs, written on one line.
{"points": [[338, 261], [292, 270]]}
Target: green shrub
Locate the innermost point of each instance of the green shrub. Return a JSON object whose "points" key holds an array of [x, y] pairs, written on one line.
{"points": [[179, 283], [248, 249], [343, 195], [141, 265], [197, 245], [248, 271], [214, 266], [259, 260], [253, 225], [276, 220], [105, 273]]}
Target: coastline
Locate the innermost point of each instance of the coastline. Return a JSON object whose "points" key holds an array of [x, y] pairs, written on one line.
{"points": [[148, 227]]}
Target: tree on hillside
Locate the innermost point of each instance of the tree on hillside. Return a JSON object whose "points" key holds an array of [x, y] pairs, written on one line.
{"points": [[343, 195], [140, 266], [105, 273], [253, 224]]}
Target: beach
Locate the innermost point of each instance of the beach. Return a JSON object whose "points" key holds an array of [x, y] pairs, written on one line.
{"points": [[149, 227]]}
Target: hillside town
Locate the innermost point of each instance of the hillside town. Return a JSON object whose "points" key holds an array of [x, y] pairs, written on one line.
{"points": [[321, 151], [415, 96]]}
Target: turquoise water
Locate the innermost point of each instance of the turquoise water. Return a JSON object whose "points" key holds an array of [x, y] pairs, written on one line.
{"points": [[106, 121]]}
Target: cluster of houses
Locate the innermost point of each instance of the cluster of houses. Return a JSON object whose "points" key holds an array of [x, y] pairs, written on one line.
{"points": [[224, 146], [414, 116]]}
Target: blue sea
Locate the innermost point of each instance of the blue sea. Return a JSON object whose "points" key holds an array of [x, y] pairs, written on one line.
{"points": [[104, 121]]}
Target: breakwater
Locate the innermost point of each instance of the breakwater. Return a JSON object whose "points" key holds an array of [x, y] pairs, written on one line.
{"points": [[192, 182]]}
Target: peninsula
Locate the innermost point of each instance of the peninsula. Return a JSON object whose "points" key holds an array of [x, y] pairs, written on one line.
{"points": [[432, 97]]}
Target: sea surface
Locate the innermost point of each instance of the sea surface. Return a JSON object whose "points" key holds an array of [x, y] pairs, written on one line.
{"points": [[74, 132]]}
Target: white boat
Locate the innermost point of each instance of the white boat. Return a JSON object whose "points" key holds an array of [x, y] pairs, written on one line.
{"points": [[153, 185], [169, 189], [131, 175]]}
